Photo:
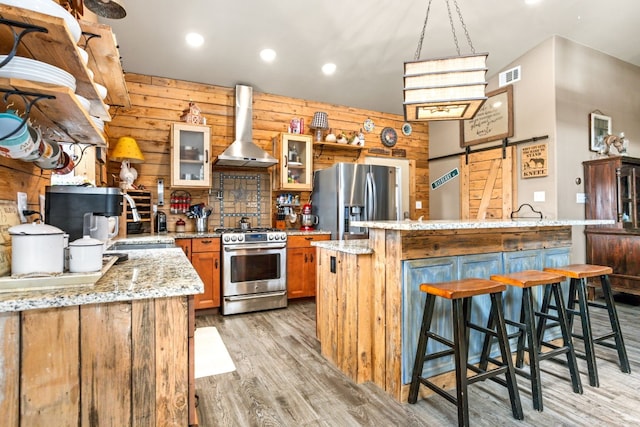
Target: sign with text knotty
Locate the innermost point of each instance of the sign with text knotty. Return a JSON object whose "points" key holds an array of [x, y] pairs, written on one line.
{"points": [[493, 122]]}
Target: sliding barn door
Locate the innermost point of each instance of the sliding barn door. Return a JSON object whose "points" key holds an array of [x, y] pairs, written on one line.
{"points": [[487, 186]]}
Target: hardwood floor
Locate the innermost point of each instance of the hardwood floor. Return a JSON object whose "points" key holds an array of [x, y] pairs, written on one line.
{"points": [[282, 380]]}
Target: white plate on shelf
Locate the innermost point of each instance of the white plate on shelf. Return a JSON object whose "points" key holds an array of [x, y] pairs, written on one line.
{"points": [[86, 104], [51, 8], [37, 71]]}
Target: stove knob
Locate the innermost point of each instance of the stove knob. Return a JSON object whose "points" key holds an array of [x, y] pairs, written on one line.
{"points": [[226, 238], [233, 237], [283, 236], [271, 237], [241, 238]]}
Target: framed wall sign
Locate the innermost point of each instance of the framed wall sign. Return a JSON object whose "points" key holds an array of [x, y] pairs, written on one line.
{"points": [[534, 161], [599, 127], [494, 120]]}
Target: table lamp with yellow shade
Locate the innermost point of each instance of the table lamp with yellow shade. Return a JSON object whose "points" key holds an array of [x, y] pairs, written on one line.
{"points": [[127, 151]]}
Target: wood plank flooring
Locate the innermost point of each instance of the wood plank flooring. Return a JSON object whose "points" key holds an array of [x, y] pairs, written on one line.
{"points": [[282, 380]]}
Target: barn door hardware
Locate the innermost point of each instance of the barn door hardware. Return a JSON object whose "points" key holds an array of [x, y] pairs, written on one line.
{"points": [[504, 145]]}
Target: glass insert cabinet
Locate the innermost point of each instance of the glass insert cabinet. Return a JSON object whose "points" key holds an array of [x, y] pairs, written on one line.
{"points": [[612, 186], [295, 161], [190, 151]]}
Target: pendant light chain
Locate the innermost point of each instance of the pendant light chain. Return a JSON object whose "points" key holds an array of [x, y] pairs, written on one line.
{"points": [[424, 27], [464, 27], [453, 31]]}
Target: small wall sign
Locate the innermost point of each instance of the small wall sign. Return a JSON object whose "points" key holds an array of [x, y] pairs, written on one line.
{"points": [[445, 178], [534, 161]]}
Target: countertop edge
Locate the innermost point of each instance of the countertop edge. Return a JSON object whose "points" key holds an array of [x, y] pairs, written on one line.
{"points": [[410, 225]]}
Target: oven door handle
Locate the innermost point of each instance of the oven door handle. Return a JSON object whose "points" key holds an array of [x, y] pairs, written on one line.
{"points": [[255, 247], [254, 296]]}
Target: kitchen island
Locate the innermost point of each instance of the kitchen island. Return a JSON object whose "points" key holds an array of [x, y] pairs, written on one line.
{"points": [[119, 352], [369, 305]]}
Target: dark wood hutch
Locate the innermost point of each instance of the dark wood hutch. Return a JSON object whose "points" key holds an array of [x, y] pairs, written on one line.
{"points": [[612, 186]]}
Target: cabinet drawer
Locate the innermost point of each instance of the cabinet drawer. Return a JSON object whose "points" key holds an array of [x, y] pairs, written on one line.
{"points": [[205, 244], [305, 241]]}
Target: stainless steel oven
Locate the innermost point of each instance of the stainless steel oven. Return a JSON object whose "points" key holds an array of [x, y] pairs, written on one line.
{"points": [[254, 270]]}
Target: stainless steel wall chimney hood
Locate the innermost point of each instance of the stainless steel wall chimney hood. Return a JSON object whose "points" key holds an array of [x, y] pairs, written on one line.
{"points": [[243, 152]]}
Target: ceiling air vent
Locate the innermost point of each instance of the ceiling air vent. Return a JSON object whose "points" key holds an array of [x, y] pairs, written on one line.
{"points": [[510, 76]]}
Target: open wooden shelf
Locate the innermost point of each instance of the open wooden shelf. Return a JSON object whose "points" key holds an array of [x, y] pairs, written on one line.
{"points": [[60, 119], [337, 145], [104, 61], [63, 118]]}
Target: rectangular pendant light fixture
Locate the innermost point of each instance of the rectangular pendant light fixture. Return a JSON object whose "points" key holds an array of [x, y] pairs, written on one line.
{"points": [[450, 88]]}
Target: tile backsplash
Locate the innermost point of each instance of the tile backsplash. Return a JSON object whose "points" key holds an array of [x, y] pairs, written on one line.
{"points": [[240, 194]]}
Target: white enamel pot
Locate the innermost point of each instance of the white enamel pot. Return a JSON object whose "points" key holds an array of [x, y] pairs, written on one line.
{"points": [[36, 248], [85, 255]]}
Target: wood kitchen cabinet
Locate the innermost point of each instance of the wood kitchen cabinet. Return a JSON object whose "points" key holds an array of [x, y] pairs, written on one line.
{"points": [[301, 265], [204, 254], [612, 187], [295, 162], [190, 148]]}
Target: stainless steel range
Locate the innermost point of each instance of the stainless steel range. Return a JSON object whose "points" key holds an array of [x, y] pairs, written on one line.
{"points": [[254, 269]]}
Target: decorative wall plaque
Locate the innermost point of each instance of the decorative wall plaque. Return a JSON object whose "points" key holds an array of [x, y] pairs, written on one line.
{"points": [[494, 120]]}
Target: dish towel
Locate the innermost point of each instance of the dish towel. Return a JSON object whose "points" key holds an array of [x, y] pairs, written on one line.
{"points": [[211, 355]]}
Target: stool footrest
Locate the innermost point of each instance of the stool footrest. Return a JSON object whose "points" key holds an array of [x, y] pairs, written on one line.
{"points": [[485, 375], [438, 355], [438, 390], [547, 316], [440, 339]]}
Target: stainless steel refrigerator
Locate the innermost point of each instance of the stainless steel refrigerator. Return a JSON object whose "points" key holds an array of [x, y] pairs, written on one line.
{"points": [[347, 192]]}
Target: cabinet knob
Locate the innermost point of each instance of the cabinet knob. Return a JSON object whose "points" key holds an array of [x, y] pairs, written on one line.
{"points": [[216, 263], [305, 257]]}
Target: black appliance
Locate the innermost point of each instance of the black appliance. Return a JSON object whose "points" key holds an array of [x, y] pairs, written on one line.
{"points": [[65, 206], [161, 222]]}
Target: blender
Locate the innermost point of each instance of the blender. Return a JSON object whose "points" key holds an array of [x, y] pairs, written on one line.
{"points": [[307, 219]]}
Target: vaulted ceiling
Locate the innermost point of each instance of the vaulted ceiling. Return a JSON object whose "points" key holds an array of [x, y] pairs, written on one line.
{"points": [[367, 40]]}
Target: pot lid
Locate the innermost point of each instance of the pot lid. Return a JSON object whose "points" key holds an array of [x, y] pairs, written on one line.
{"points": [[34, 228], [86, 241]]}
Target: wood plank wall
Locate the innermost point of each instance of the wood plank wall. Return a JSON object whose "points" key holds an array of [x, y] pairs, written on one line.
{"points": [[157, 102]]}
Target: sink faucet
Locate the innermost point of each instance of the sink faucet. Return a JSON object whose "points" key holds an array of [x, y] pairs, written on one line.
{"points": [[134, 210]]}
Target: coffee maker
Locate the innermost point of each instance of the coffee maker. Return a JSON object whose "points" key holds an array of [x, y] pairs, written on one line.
{"points": [[65, 207]]}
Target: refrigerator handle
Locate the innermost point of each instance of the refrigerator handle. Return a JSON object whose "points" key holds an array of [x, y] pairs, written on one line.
{"points": [[371, 197]]}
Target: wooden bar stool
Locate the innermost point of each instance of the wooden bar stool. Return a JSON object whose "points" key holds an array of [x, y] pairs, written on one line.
{"points": [[579, 273], [528, 333], [460, 293]]}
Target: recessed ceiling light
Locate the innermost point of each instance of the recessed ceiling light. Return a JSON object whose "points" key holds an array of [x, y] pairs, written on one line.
{"points": [[268, 55], [194, 39], [531, 1], [329, 68]]}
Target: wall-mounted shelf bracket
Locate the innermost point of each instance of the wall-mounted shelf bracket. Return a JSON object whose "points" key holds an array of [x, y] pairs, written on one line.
{"points": [[17, 36], [87, 37], [28, 104]]}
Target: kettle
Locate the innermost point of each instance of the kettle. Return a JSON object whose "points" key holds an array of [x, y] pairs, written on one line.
{"points": [[244, 223], [161, 222]]}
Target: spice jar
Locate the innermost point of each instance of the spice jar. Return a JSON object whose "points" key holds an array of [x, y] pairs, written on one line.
{"points": [[180, 225]]}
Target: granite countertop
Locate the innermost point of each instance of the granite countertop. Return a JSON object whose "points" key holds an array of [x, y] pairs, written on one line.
{"points": [[148, 273], [354, 247], [171, 236], [293, 232], [410, 225]]}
